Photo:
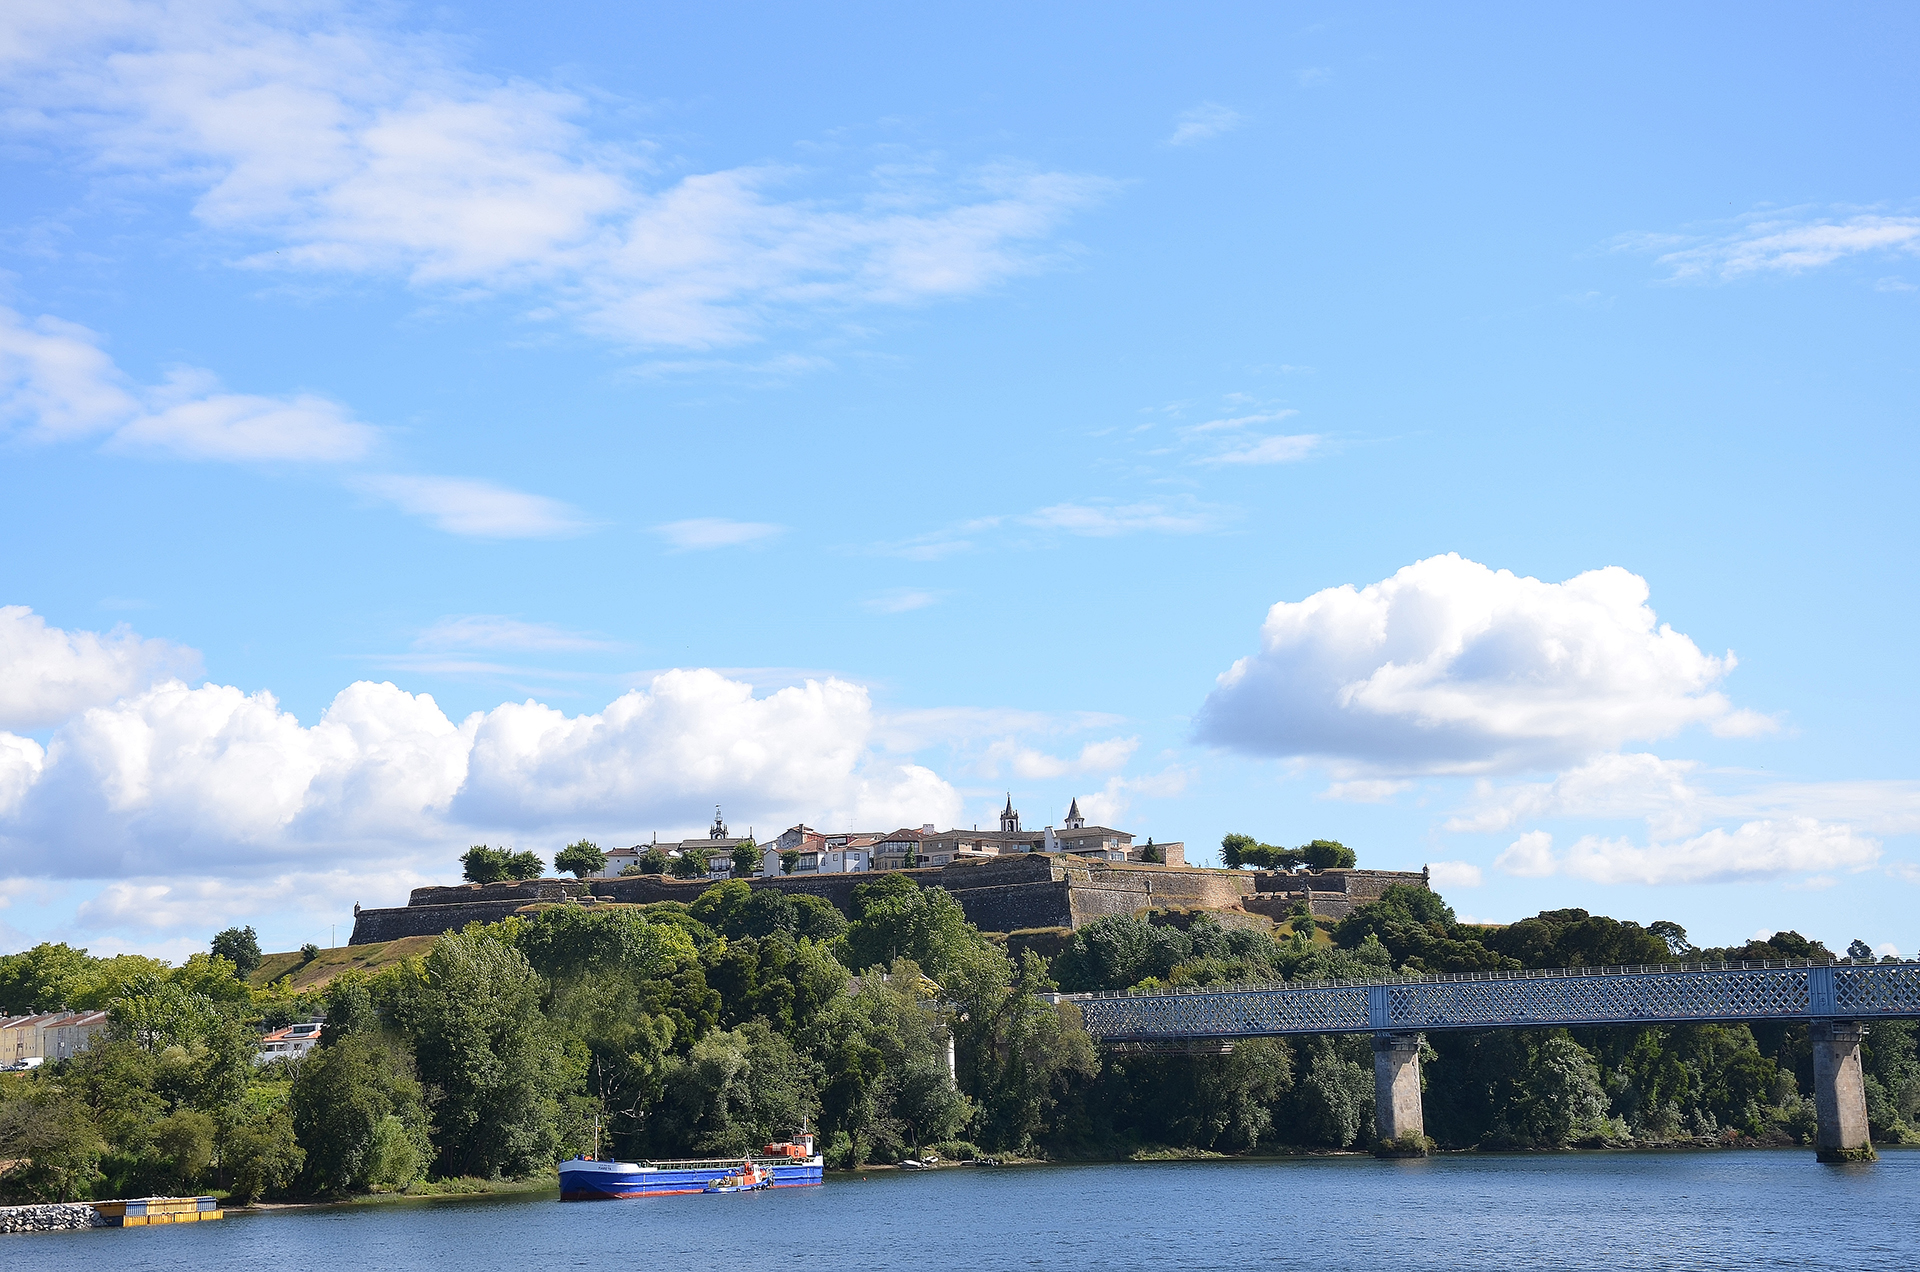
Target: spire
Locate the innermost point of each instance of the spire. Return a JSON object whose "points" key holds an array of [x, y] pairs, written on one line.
{"points": [[1009, 804], [1009, 819], [1074, 820]]}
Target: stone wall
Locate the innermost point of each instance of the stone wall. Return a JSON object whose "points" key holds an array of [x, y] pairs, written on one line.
{"points": [[59, 1217], [998, 894]]}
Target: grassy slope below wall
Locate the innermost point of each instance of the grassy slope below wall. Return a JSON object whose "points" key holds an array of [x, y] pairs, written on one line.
{"points": [[330, 963]]}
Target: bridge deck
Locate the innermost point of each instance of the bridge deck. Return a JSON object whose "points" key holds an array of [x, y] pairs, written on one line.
{"points": [[1572, 996]]}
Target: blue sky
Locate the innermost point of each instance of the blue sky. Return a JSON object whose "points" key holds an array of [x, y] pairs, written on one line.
{"points": [[853, 415]]}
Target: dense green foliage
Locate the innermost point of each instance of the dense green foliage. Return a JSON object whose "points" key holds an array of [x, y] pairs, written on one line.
{"points": [[481, 864], [580, 859], [714, 1027], [1320, 854], [239, 946]]}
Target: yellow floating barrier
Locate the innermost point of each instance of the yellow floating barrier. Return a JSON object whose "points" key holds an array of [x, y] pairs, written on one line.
{"points": [[141, 1212]]}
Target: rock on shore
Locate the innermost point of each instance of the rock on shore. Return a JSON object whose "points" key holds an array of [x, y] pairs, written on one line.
{"points": [[62, 1217]]}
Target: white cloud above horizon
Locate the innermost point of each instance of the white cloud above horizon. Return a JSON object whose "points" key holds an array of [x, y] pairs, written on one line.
{"points": [[496, 631], [57, 384], [1451, 667], [1751, 852], [472, 508], [48, 675], [699, 534], [210, 792], [329, 141], [1203, 122], [1779, 243]]}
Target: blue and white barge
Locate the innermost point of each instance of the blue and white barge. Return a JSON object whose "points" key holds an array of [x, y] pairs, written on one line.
{"points": [[791, 1164]]}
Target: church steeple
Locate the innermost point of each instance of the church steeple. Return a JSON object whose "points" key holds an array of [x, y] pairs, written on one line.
{"points": [[1009, 818], [1074, 820]]}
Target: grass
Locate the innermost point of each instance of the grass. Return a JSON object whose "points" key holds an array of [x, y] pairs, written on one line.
{"points": [[331, 963]]}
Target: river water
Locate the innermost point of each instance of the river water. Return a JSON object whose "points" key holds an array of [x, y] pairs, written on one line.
{"points": [[1752, 1209]]}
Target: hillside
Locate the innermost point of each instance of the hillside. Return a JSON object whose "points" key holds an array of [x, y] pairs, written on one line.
{"points": [[330, 963]]}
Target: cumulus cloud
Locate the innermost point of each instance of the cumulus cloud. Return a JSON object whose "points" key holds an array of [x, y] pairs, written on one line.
{"points": [[701, 533], [1783, 245], [1756, 850], [1452, 667], [58, 384], [174, 783], [1454, 874], [48, 675], [346, 146], [476, 509], [1207, 120]]}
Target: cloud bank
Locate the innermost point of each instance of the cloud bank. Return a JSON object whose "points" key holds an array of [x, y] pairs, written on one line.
{"points": [[179, 787], [1452, 667]]}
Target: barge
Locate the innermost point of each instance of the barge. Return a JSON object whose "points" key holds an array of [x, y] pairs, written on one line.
{"points": [[788, 1164]]}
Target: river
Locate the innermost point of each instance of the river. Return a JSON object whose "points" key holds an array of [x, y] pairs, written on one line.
{"points": [[1751, 1209]]}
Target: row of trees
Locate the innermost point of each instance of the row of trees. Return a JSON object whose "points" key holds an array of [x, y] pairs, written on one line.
{"points": [[711, 1027], [481, 864], [1320, 854]]}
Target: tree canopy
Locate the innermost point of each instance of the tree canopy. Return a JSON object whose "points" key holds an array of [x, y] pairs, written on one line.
{"points": [[580, 859]]}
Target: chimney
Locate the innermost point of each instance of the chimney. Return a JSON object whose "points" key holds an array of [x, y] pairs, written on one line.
{"points": [[927, 829]]}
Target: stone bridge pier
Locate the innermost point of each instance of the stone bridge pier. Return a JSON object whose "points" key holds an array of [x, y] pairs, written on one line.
{"points": [[1397, 1115], [1840, 1092]]}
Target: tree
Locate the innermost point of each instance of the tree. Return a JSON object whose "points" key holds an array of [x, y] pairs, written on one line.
{"points": [[238, 946], [789, 858], [1327, 854], [348, 1100], [653, 861], [1673, 936], [473, 1013], [896, 918], [481, 864], [1234, 850], [686, 866], [43, 978], [1860, 952], [259, 1154], [525, 865], [746, 859], [1153, 854], [580, 859]]}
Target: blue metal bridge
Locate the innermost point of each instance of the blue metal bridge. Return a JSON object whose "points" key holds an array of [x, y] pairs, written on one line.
{"points": [[1577, 996], [1839, 1001]]}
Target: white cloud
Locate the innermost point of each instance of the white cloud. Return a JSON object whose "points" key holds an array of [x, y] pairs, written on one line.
{"points": [[478, 509], [1529, 857], [1449, 666], [701, 533], [1375, 790], [345, 146], [1756, 850], [1779, 244], [1678, 797], [1091, 519], [1095, 757], [212, 783], [1108, 806], [48, 674], [492, 631], [900, 601], [59, 385], [1279, 449], [1454, 874], [1208, 119]]}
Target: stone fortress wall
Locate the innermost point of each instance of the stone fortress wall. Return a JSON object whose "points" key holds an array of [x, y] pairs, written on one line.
{"points": [[999, 894]]}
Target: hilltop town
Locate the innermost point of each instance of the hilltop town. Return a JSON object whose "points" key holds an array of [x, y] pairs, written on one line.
{"points": [[1009, 881]]}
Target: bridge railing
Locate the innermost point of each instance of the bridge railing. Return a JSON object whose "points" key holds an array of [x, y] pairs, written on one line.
{"points": [[1774, 989], [1551, 973]]}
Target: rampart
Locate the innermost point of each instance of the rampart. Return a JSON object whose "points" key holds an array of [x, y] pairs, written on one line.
{"points": [[998, 894]]}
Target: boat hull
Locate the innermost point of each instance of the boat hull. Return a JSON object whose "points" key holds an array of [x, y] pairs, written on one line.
{"points": [[606, 1181]]}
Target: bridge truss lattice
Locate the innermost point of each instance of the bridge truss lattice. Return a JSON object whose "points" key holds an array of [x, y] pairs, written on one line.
{"points": [[1576, 996]]}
